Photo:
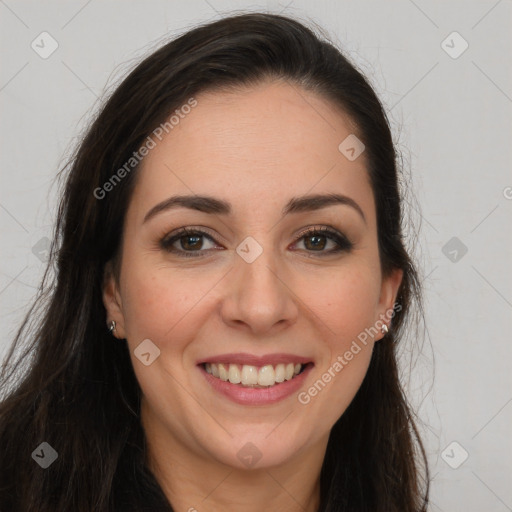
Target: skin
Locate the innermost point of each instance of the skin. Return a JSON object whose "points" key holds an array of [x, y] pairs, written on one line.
{"points": [[255, 147]]}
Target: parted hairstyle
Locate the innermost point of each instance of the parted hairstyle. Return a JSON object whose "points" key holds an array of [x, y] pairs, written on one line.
{"points": [[71, 385]]}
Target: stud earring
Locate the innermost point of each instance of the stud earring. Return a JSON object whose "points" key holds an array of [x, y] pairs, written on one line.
{"points": [[112, 326], [384, 329]]}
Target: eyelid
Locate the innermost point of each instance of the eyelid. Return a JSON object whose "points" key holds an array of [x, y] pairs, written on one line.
{"points": [[324, 228], [189, 230]]}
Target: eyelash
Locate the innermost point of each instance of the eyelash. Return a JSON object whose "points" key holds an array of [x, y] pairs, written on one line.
{"points": [[342, 241]]}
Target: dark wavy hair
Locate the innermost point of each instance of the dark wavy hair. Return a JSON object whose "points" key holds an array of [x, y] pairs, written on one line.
{"points": [[74, 388]]}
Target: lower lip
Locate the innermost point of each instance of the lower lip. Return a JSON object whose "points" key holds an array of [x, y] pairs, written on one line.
{"points": [[257, 396]]}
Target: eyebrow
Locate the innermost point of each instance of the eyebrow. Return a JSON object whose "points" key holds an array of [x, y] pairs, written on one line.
{"points": [[212, 205]]}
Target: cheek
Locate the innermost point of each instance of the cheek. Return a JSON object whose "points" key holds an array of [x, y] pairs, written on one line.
{"points": [[345, 302], [345, 307], [345, 310], [150, 304], [158, 303]]}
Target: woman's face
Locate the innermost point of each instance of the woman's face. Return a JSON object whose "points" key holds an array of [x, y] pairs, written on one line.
{"points": [[253, 290]]}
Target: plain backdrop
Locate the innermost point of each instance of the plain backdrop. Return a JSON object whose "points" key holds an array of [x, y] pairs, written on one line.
{"points": [[442, 70]]}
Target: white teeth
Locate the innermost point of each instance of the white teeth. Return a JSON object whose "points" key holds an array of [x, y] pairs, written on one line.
{"points": [[280, 373], [234, 374], [223, 373], [267, 375], [248, 375], [290, 368]]}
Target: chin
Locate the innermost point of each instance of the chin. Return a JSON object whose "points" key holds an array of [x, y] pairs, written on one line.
{"points": [[256, 451]]}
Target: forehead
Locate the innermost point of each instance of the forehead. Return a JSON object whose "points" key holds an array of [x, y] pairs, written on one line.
{"points": [[256, 146]]}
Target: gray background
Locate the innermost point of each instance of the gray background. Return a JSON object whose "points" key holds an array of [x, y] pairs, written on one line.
{"points": [[452, 121]]}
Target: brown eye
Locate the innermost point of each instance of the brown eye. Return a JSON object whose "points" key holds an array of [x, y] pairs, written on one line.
{"points": [[191, 242], [317, 239], [315, 242], [187, 242]]}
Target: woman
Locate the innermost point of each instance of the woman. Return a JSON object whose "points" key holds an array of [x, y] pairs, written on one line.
{"points": [[231, 285]]}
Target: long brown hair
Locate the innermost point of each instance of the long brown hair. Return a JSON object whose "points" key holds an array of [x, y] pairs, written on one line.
{"points": [[74, 387]]}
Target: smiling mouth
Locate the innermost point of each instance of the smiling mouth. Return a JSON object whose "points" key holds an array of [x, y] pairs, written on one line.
{"points": [[253, 376]]}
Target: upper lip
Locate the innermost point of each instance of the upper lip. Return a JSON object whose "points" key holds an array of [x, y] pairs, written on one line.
{"points": [[242, 358]]}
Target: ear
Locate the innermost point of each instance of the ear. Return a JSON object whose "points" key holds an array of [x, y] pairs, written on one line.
{"points": [[112, 301], [388, 293]]}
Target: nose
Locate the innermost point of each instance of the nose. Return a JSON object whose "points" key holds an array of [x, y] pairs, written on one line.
{"points": [[260, 297]]}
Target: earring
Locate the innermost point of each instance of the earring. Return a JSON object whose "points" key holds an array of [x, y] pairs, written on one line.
{"points": [[112, 326], [384, 329]]}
